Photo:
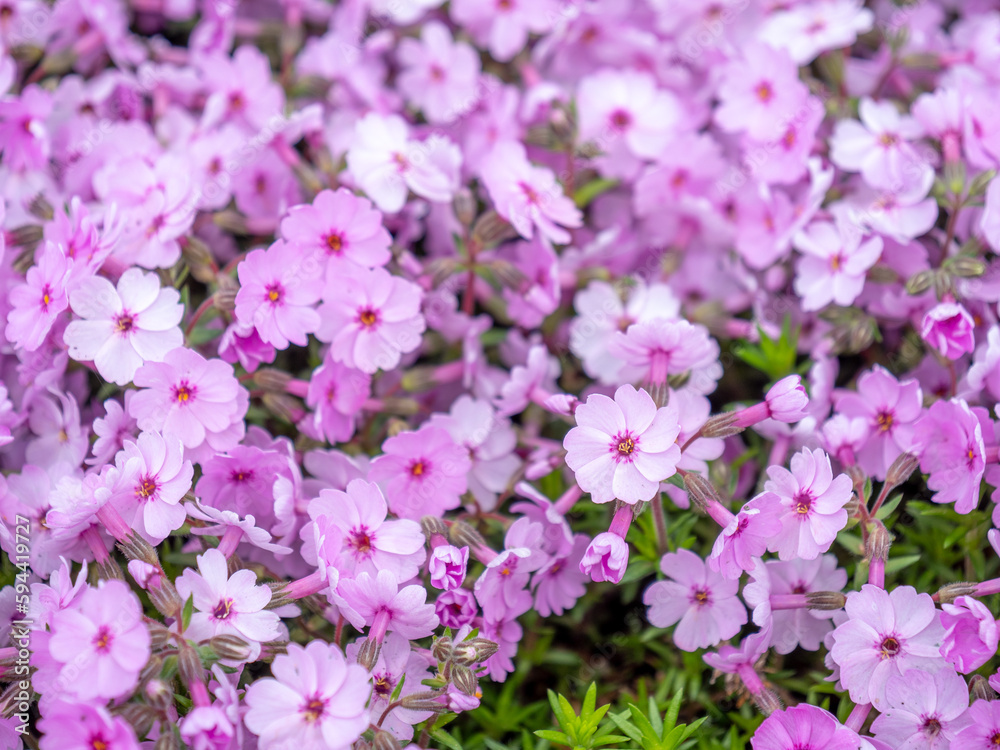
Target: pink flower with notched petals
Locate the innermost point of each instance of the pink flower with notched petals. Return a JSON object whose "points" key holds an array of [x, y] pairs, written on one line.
{"points": [[123, 326], [502, 26], [834, 263], [279, 288], [339, 227], [923, 711], [804, 726], [949, 329], [99, 645], [423, 472], [315, 699], [81, 726], [746, 536], [623, 448], [378, 603], [984, 717], [196, 400], [40, 300], [886, 634], [336, 394], [653, 349], [439, 76], [702, 603], [370, 318], [447, 566], [370, 542], [24, 138], [561, 581], [227, 604], [949, 441], [971, 634], [605, 558], [528, 196], [149, 479]]}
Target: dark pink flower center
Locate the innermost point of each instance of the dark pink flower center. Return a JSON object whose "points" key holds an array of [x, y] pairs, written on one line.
{"points": [[623, 446], [418, 467], [314, 709], [384, 685], [620, 119], [884, 421], [46, 297], [241, 475], [146, 488], [802, 503], [931, 726], [889, 647], [102, 641], [764, 91], [275, 293], [124, 322], [223, 609], [701, 597], [360, 540], [368, 317], [183, 392]]}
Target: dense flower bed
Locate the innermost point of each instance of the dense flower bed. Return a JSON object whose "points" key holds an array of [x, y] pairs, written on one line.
{"points": [[372, 368]]}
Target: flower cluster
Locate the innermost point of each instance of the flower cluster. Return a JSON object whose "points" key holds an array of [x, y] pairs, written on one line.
{"points": [[343, 340]]}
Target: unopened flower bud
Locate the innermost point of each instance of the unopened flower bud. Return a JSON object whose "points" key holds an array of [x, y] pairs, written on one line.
{"points": [[442, 648], [490, 230], [283, 406], [28, 235], [225, 300], [767, 702], [432, 525], [901, 469], [920, 282], [165, 598], [464, 205], [385, 741], [949, 593], [510, 275], [230, 647], [852, 505], [159, 694], [464, 679], [199, 260], [966, 267], [110, 570], [40, 207], [159, 635], [701, 490], [721, 425], [137, 548], [269, 379], [166, 740], [423, 700], [787, 400], [368, 653], [189, 665], [980, 689], [879, 541], [825, 600], [463, 535], [139, 716], [485, 648]]}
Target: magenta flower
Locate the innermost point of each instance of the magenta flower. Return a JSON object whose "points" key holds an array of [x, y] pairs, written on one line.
{"points": [[562, 580], [227, 605], [655, 349], [923, 711], [447, 565], [423, 472], [371, 542], [207, 728], [890, 408], [787, 400], [949, 329], [746, 536], [81, 726], [316, 699], [501, 589], [40, 300], [378, 603], [834, 263], [279, 288], [949, 440], [112, 430], [340, 227], [813, 501], [456, 608], [803, 726], [148, 482], [196, 400], [971, 634], [123, 327], [336, 393], [528, 196], [606, 558], [702, 603], [99, 645], [886, 634], [623, 448], [439, 76], [370, 318]]}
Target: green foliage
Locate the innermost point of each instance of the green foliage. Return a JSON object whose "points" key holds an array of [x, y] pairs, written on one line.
{"points": [[651, 732], [584, 731], [774, 357]]}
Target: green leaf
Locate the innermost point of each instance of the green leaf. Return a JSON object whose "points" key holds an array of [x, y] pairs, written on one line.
{"points": [[586, 193], [187, 613], [446, 739]]}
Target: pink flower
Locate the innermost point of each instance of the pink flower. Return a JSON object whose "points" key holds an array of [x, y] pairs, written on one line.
{"points": [[807, 30], [746, 536], [100, 644], [948, 328], [502, 587], [112, 430], [40, 300], [606, 558], [949, 440], [971, 635], [196, 400], [340, 227], [148, 482], [562, 580], [80, 726], [123, 327], [227, 604], [370, 318], [759, 89], [439, 76], [316, 700], [984, 373], [655, 349], [24, 138], [787, 400], [533, 381], [627, 104], [886, 634], [923, 711], [371, 542], [702, 602], [386, 163], [834, 263], [878, 145], [279, 288], [456, 607], [378, 603], [813, 501], [984, 729], [623, 448], [423, 472], [447, 566], [528, 196], [336, 394], [207, 728], [803, 726], [889, 408], [502, 26]]}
